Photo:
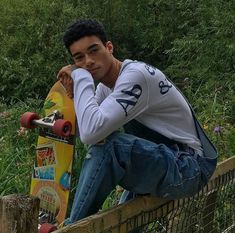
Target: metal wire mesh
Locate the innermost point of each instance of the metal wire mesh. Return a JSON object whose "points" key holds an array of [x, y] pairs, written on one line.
{"points": [[210, 211]]}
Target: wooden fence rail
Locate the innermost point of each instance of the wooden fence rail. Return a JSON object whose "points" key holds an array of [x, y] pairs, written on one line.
{"points": [[19, 213]]}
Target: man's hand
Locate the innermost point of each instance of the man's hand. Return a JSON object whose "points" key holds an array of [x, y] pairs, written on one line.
{"points": [[64, 75]]}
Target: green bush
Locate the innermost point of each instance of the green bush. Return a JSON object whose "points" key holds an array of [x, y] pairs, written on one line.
{"points": [[186, 39], [31, 45]]}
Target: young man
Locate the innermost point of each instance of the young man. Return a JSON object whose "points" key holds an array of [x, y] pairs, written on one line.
{"points": [[160, 152]]}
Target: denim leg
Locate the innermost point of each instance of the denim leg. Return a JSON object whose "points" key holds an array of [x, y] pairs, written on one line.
{"points": [[99, 175], [162, 171], [139, 166]]}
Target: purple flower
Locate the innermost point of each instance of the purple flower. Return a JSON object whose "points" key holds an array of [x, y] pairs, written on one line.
{"points": [[217, 129]]}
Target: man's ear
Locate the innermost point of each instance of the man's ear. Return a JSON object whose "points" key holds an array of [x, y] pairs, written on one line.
{"points": [[109, 46]]}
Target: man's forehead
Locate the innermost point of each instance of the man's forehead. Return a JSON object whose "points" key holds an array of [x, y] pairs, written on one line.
{"points": [[85, 43]]}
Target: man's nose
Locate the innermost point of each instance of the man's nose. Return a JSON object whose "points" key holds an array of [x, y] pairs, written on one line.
{"points": [[89, 61]]}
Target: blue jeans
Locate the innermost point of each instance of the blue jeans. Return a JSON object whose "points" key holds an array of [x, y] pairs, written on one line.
{"points": [[139, 166]]}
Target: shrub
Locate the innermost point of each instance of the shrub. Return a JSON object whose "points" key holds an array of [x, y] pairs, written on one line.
{"points": [[32, 49]]}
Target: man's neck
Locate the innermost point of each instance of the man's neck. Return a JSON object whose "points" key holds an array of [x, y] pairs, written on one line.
{"points": [[112, 74]]}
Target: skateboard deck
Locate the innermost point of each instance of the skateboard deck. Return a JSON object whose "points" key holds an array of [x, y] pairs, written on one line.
{"points": [[51, 176]]}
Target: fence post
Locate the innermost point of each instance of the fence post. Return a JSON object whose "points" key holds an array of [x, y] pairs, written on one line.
{"points": [[19, 214]]}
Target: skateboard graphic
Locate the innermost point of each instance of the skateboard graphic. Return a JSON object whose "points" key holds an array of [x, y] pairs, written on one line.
{"points": [[51, 176]]}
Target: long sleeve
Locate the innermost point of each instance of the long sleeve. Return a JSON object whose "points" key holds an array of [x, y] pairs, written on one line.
{"points": [[96, 121]]}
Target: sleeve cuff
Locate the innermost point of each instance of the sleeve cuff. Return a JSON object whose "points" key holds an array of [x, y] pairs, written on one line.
{"points": [[80, 72]]}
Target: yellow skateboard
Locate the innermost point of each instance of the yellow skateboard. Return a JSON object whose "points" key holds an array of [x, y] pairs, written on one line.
{"points": [[51, 176]]}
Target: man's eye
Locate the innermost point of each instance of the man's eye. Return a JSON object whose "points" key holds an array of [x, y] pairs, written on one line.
{"points": [[78, 58], [93, 50]]}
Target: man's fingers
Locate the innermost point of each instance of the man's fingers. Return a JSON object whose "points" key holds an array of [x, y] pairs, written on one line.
{"points": [[64, 76], [67, 82], [60, 74], [66, 69]]}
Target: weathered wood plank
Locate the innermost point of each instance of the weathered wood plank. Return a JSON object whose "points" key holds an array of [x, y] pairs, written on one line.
{"points": [[223, 167], [19, 214]]}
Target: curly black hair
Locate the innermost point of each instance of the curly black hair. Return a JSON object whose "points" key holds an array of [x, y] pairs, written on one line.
{"points": [[82, 28]]}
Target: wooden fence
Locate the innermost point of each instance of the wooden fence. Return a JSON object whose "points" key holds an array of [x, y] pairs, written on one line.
{"points": [[211, 210]]}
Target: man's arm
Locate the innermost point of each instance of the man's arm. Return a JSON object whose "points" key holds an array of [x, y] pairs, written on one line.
{"points": [[98, 121]]}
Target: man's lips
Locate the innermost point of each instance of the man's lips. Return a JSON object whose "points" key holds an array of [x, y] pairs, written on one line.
{"points": [[93, 70]]}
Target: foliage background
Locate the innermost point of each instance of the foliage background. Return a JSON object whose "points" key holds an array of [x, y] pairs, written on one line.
{"points": [[191, 41]]}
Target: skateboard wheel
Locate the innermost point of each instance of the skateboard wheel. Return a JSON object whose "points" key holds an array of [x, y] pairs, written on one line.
{"points": [[27, 118], [47, 228], [62, 128]]}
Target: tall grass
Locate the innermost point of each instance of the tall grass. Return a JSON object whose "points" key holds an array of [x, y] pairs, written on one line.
{"points": [[17, 147]]}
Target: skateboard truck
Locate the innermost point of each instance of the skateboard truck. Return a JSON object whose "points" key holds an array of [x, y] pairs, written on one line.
{"points": [[43, 217], [54, 121]]}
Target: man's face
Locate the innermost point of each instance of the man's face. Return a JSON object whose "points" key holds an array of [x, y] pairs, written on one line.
{"points": [[91, 54]]}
